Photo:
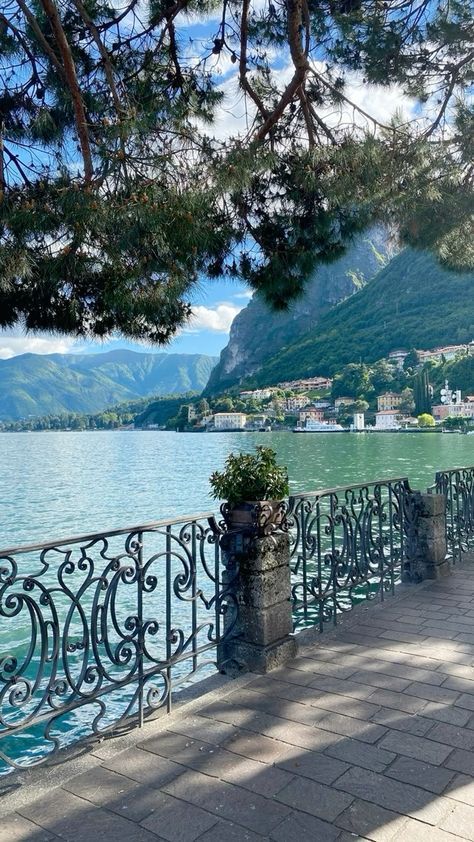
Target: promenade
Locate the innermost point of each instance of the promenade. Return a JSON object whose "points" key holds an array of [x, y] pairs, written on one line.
{"points": [[368, 733]]}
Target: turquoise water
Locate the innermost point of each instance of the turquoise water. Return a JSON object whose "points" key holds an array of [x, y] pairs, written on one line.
{"points": [[61, 484], [54, 485]]}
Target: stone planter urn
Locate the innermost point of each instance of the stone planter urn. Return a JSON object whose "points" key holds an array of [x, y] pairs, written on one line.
{"points": [[253, 486], [262, 517]]}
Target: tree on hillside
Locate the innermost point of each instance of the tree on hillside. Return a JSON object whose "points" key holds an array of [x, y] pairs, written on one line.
{"points": [[407, 405], [225, 404], [412, 360], [121, 182], [421, 393], [382, 375], [353, 382]]}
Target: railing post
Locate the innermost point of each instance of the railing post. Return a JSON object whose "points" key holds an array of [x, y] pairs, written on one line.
{"points": [[425, 552], [262, 591], [432, 536]]}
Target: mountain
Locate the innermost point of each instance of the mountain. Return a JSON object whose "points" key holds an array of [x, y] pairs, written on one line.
{"points": [[258, 334], [412, 303], [33, 384]]}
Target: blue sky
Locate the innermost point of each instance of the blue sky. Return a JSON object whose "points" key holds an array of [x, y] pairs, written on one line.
{"points": [[215, 304]]}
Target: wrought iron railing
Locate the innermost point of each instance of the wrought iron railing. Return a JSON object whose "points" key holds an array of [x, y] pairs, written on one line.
{"points": [[457, 485], [348, 544], [99, 630]]}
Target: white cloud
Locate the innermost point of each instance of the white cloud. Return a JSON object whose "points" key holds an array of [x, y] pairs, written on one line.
{"points": [[11, 346], [217, 319], [236, 114], [247, 294]]}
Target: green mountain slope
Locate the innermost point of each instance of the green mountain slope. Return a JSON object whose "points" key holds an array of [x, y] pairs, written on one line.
{"points": [[412, 302], [33, 384], [257, 333]]}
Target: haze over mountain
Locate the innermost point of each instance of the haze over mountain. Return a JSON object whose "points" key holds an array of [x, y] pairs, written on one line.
{"points": [[257, 333], [33, 384]]}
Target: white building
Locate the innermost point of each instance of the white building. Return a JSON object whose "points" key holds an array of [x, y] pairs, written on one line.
{"points": [[295, 403], [358, 422], [229, 420], [257, 394], [398, 357], [387, 419]]}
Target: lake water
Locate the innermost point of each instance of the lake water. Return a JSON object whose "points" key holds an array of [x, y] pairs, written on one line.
{"points": [[62, 484], [54, 485]]}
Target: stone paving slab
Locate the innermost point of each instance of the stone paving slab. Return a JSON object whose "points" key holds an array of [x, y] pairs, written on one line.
{"points": [[367, 734]]}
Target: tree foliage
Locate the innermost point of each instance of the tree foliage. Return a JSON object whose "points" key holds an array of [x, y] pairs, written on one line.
{"points": [[421, 393], [426, 420], [118, 190]]}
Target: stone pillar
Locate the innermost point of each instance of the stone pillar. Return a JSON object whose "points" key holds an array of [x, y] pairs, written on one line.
{"points": [[262, 591], [432, 536]]}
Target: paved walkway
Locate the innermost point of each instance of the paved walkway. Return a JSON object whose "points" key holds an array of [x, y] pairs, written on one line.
{"points": [[369, 734]]}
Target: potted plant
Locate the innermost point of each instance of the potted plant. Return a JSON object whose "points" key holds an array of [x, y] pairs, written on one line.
{"points": [[253, 486]]}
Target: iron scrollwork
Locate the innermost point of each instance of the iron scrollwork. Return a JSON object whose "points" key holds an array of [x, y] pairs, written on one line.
{"points": [[348, 545], [458, 487], [100, 631]]}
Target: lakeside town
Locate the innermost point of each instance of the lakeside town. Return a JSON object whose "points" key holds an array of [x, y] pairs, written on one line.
{"points": [[408, 391], [314, 404]]}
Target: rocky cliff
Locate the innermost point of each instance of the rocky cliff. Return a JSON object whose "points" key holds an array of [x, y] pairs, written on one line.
{"points": [[257, 333]]}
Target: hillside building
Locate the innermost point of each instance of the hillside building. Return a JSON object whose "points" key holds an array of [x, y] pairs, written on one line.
{"points": [[295, 403], [464, 409], [230, 420], [257, 394], [398, 357], [321, 403], [306, 384], [389, 400], [340, 403], [449, 352]]}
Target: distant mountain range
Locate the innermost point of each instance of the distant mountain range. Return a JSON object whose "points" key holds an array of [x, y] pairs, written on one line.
{"points": [[258, 334], [33, 384]]}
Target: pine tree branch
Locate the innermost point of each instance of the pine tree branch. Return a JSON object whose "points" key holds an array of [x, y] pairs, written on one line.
{"points": [[449, 93], [14, 160], [300, 62], [307, 117], [69, 67], [2, 162], [346, 99], [108, 70], [244, 82], [40, 37]]}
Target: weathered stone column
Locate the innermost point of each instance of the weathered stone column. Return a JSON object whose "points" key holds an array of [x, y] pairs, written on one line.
{"points": [[424, 519], [432, 536], [258, 575]]}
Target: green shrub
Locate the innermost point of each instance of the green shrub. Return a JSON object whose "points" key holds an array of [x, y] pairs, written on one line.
{"points": [[250, 476]]}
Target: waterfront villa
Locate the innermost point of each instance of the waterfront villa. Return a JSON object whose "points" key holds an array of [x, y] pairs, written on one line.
{"points": [[312, 413], [463, 409], [229, 420], [387, 419]]}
